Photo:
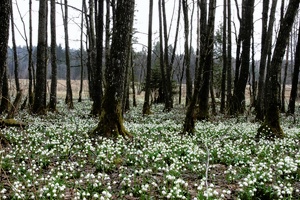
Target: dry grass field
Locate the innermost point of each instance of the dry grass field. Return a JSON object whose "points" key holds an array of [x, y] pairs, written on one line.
{"points": [[61, 88]]}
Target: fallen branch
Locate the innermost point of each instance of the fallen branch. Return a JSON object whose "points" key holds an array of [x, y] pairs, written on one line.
{"points": [[11, 122], [15, 107]]}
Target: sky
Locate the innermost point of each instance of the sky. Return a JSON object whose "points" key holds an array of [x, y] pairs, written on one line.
{"points": [[140, 23]]}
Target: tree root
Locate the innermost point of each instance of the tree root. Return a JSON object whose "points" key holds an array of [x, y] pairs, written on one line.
{"points": [[3, 141], [269, 132]]}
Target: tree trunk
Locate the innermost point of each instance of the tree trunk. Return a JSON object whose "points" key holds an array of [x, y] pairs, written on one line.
{"points": [[69, 95], [30, 62], [224, 56], [39, 105], [187, 54], [271, 127], [201, 92], [293, 95], [90, 48], [203, 112], [5, 100], [132, 81], [111, 120], [168, 67], [163, 93], [265, 46], [253, 81], [246, 27], [4, 36], [212, 94], [176, 35], [229, 63], [107, 32], [16, 61], [98, 94], [81, 56], [282, 107], [53, 91]]}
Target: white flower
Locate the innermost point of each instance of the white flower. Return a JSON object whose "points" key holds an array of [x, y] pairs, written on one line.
{"points": [[96, 195], [3, 191]]}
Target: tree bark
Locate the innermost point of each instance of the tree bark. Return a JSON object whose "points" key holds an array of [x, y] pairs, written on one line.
{"points": [[5, 100], [293, 94], [4, 36], [98, 94], [53, 91], [187, 55], [163, 94], [30, 61], [39, 105], [265, 46], [282, 107], [203, 113], [168, 67], [111, 120], [16, 61], [132, 81], [201, 92], [246, 27], [229, 63], [81, 55], [271, 126], [107, 32], [224, 56], [69, 95], [146, 106]]}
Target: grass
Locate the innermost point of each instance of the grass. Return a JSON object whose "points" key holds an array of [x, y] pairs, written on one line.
{"points": [[55, 159]]}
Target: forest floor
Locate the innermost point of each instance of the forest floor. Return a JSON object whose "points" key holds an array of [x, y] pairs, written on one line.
{"points": [[54, 158]]}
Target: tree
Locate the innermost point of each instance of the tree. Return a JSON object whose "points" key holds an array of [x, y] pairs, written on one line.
{"points": [[228, 97], [5, 100], [39, 105], [69, 95], [187, 55], [293, 94], [30, 60], [146, 106], [4, 35], [52, 103], [267, 31], [244, 60], [166, 64], [16, 62], [111, 119], [206, 61], [201, 91], [224, 55], [271, 126], [81, 55], [97, 99], [161, 57]]}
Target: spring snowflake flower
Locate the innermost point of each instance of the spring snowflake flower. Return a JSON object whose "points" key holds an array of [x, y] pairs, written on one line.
{"points": [[96, 195]]}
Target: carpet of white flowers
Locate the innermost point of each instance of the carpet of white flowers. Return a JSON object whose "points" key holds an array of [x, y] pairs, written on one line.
{"points": [[54, 158]]}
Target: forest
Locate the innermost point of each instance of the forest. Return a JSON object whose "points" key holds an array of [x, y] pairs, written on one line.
{"points": [[219, 120]]}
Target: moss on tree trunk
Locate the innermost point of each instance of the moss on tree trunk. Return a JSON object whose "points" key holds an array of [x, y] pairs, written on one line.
{"points": [[146, 108], [270, 129], [111, 120]]}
